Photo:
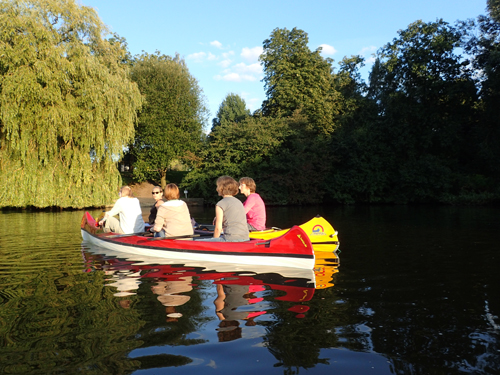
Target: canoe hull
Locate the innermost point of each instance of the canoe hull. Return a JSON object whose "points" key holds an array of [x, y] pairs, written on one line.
{"points": [[291, 250]]}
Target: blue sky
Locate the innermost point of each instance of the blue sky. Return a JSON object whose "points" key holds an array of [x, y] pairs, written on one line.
{"points": [[221, 40]]}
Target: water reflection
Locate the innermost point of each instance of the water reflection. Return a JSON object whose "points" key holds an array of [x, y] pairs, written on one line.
{"points": [[418, 292], [236, 301], [236, 285]]}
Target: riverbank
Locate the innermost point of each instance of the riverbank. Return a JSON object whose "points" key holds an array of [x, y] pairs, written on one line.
{"points": [[143, 190]]}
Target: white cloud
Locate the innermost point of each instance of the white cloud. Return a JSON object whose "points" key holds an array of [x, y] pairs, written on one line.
{"points": [[225, 63], [249, 69], [227, 55], [235, 77], [197, 57], [239, 72], [232, 77], [216, 44], [202, 56], [370, 60], [251, 54], [253, 103], [248, 77], [327, 49], [367, 50], [212, 364]]}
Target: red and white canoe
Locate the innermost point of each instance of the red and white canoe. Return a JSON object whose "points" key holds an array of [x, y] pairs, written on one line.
{"points": [[292, 249]]}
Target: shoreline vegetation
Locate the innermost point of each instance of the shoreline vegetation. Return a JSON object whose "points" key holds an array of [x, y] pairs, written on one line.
{"points": [[75, 106]]}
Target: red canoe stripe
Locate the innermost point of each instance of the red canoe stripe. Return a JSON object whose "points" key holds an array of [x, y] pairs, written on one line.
{"points": [[302, 256]]}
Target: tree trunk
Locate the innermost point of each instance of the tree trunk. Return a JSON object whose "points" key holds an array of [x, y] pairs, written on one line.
{"points": [[163, 181]]}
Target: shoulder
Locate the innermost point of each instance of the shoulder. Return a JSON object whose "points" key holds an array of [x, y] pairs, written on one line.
{"points": [[230, 199], [225, 201], [255, 197], [122, 201], [235, 201], [174, 203]]}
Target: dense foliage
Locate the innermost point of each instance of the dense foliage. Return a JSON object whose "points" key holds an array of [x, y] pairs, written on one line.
{"points": [[232, 109], [297, 78], [171, 121], [67, 106], [424, 128]]}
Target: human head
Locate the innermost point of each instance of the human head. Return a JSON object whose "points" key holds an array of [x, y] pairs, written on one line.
{"points": [[157, 189], [171, 191], [231, 331], [126, 191], [227, 186], [249, 183]]}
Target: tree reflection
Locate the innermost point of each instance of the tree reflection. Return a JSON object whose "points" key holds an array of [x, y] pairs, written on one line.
{"points": [[67, 321]]}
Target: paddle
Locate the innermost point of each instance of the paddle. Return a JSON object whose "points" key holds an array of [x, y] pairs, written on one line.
{"points": [[209, 227], [127, 235], [173, 237]]}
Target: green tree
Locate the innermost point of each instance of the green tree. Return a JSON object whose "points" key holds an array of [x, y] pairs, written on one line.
{"points": [[297, 78], [425, 99], [171, 122], [232, 109], [494, 9], [236, 149], [483, 46], [358, 168], [67, 106]]}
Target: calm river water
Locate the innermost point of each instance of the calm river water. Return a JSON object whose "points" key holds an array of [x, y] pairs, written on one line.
{"points": [[417, 292]]}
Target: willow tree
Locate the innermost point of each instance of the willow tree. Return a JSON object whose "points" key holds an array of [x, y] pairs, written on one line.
{"points": [[171, 121], [67, 106]]}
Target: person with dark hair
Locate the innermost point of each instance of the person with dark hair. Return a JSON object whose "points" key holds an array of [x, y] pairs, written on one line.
{"points": [[230, 219], [255, 208], [157, 195], [129, 210], [173, 217]]}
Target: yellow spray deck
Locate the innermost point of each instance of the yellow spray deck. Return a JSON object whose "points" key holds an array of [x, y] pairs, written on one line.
{"points": [[319, 231]]}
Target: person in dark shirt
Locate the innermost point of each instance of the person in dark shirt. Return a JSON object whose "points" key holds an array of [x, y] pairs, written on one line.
{"points": [[157, 195]]}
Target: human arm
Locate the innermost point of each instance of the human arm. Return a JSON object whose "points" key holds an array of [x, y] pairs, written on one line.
{"points": [[219, 214], [160, 219], [117, 208], [154, 211], [248, 204], [219, 301]]}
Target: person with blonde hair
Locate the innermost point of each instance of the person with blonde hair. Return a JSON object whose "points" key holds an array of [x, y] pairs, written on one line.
{"points": [[129, 210], [255, 208], [173, 217], [230, 220]]}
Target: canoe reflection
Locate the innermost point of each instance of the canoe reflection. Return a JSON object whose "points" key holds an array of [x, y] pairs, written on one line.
{"points": [[240, 289]]}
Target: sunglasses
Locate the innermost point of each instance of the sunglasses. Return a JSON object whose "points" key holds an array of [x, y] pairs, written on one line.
{"points": [[156, 192]]}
